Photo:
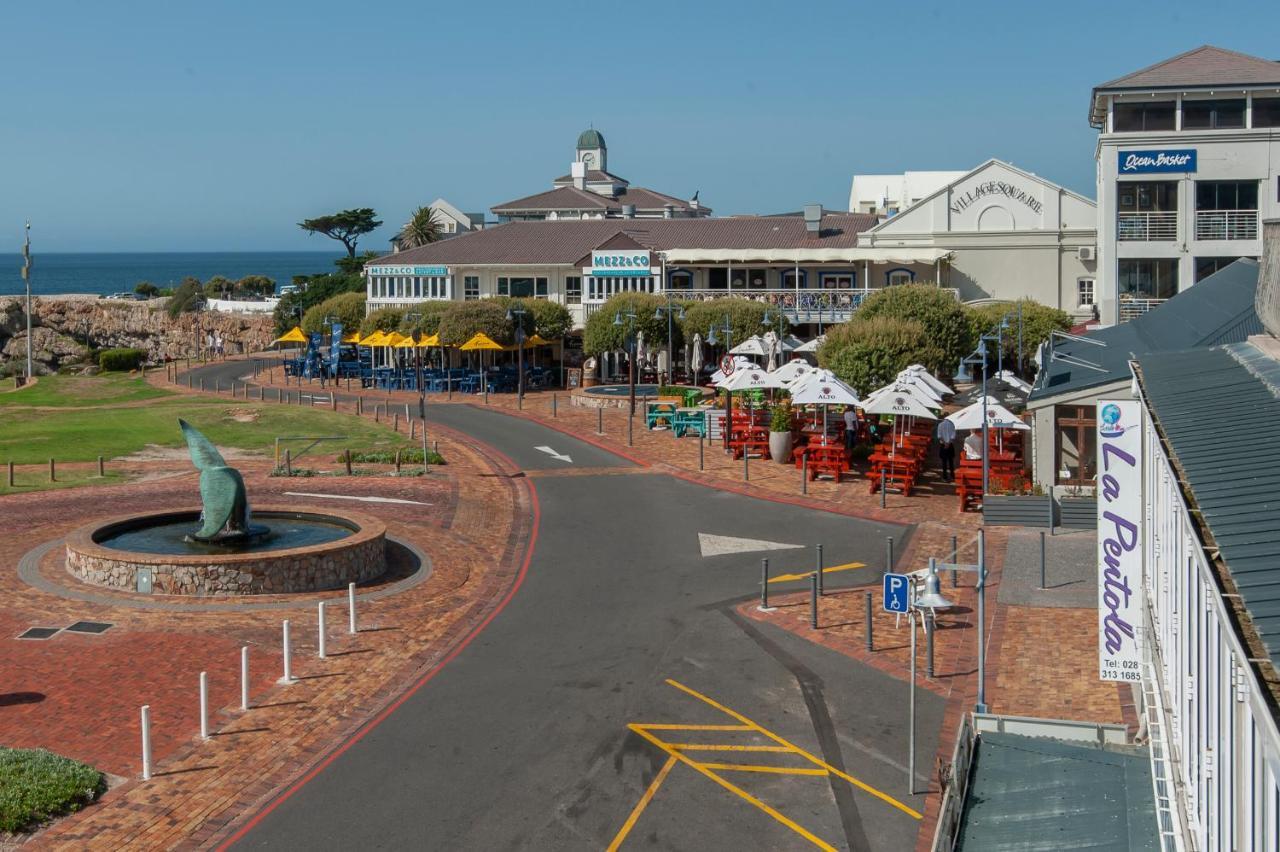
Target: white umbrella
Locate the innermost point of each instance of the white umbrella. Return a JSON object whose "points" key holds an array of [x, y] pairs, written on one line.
{"points": [[640, 351], [899, 401], [1012, 380], [918, 383], [932, 381], [752, 378], [771, 349], [793, 371], [740, 363], [790, 343], [812, 345], [824, 390], [695, 357], [751, 346], [998, 417]]}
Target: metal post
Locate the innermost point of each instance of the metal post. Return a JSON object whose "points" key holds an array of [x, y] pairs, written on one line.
{"points": [[813, 602], [818, 568], [347, 459], [746, 471], [553, 405], [702, 448], [1051, 511], [1019, 338], [870, 644], [10, 474], [1042, 585], [288, 463], [982, 619], [955, 557], [804, 474], [351, 608], [395, 422], [888, 548], [631, 419], [202, 384], [320, 631], [764, 585], [52, 476], [911, 712], [146, 742], [287, 677], [882, 488], [244, 677], [599, 421], [204, 705]]}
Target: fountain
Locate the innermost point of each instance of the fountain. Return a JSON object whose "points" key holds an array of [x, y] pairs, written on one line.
{"points": [[219, 550]]}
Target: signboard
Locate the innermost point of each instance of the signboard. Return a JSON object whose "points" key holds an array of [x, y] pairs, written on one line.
{"points": [[727, 363], [573, 377], [612, 263], [1156, 162], [897, 593], [311, 367], [335, 347], [408, 270], [1119, 540]]}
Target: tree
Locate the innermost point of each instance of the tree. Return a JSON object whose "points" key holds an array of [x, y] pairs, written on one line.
{"points": [[1038, 322], [346, 226], [383, 319], [423, 229], [944, 319], [746, 318], [346, 308], [463, 320], [219, 287], [188, 296], [146, 288], [601, 335], [314, 290], [427, 320], [868, 352], [255, 285], [355, 265]]}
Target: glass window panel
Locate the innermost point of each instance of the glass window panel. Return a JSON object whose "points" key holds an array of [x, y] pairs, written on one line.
{"points": [[1266, 112], [573, 290], [541, 288], [1138, 117], [504, 287], [1213, 114]]}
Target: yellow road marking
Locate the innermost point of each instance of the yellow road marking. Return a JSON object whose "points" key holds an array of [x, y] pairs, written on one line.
{"points": [[732, 788], [641, 805], [777, 770], [885, 797], [716, 747], [785, 578], [662, 726]]}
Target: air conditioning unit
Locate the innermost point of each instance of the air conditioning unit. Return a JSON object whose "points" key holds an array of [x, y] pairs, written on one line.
{"points": [[1087, 253]]}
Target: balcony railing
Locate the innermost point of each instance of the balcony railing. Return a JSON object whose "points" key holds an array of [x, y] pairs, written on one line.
{"points": [[1131, 309], [1147, 227], [1226, 224]]}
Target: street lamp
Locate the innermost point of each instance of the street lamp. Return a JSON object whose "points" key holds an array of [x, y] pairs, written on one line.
{"points": [[678, 310], [727, 330], [630, 340], [517, 315]]}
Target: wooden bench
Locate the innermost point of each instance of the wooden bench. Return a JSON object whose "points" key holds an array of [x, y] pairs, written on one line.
{"points": [[902, 479], [662, 411]]}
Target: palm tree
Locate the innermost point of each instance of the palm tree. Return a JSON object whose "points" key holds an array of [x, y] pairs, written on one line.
{"points": [[423, 228]]}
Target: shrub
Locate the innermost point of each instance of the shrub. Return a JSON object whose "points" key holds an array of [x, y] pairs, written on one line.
{"points": [[220, 287], [746, 318], [121, 360], [1038, 322], [427, 320], [551, 320], [463, 320], [146, 288], [346, 308], [868, 352], [945, 320], [389, 457], [601, 335], [186, 297], [780, 418], [383, 319], [255, 285], [315, 289], [36, 785]]}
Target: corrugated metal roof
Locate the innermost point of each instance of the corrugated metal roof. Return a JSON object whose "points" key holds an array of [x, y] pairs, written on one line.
{"points": [[1038, 793], [1214, 311], [1220, 411]]}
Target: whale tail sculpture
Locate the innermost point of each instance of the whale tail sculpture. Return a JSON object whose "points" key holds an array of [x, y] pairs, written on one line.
{"points": [[225, 516]]}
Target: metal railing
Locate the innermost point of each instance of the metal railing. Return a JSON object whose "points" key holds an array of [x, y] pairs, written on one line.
{"points": [[1131, 309], [1147, 227], [1226, 224]]}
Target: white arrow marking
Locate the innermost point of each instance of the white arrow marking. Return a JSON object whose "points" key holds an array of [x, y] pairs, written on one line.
{"points": [[554, 454], [354, 497], [719, 545]]}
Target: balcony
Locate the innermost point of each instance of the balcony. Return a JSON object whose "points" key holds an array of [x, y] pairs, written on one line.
{"points": [[1147, 227], [1131, 309], [1226, 224], [798, 306]]}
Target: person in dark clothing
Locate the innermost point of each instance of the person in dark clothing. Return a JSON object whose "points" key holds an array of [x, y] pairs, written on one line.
{"points": [[947, 449]]}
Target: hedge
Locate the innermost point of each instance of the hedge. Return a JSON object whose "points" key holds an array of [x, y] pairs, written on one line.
{"points": [[427, 320], [383, 319], [346, 308], [869, 352], [601, 335], [1038, 322], [746, 318], [37, 785], [945, 320], [463, 320], [121, 360]]}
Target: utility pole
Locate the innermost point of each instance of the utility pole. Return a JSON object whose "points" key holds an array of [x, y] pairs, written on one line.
{"points": [[26, 278]]}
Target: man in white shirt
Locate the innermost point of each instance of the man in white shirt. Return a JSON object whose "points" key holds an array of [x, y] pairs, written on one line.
{"points": [[973, 445], [850, 428], [947, 449]]}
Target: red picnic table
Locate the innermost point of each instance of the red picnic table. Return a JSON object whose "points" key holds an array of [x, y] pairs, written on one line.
{"points": [[969, 487], [823, 457], [748, 439]]}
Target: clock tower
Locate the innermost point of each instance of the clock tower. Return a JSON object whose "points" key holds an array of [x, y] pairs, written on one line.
{"points": [[592, 151]]}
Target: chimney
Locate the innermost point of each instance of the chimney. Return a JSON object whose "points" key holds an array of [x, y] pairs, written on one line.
{"points": [[668, 211], [1267, 300], [578, 171], [628, 211], [813, 218]]}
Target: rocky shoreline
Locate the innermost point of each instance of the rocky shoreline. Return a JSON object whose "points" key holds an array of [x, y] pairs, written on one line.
{"points": [[65, 328]]}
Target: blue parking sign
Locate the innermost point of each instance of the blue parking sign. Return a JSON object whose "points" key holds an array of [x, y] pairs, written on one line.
{"points": [[897, 592]]}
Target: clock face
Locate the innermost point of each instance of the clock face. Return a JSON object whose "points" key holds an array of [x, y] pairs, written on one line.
{"points": [[589, 160]]}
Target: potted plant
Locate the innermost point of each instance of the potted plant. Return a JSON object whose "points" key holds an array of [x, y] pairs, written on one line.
{"points": [[780, 433]]}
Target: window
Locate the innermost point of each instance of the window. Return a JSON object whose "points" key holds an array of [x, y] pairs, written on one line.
{"points": [[573, 290], [1206, 266], [1149, 279], [471, 287], [1084, 293], [540, 288], [681, 279], [789, 279], [1212, 115], [756, 278], [1147, 196], [1266, 112], [894, 277], [504, 286], [837, 280], [1227, 195], [1139, 117], [718, 278], [1075, 448]]}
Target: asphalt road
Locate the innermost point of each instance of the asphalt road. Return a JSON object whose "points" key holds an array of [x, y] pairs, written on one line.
{"points": [[522, 741]]}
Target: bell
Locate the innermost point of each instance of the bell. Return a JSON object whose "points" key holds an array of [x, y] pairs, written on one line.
{"points": [[932, 598]]}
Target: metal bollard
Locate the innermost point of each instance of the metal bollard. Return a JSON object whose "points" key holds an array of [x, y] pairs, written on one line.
{"points": [[930, 625], [631, 420], [818, 568], [955, 557], [764, 585], [882, 488], [146, 742], [202, 384], [599, 421], [347, 459], [804, 474], [288, 463], [204, 705], [870, 644], [395, 423], [10, 474], [101, 470], [746, 470], [244, 677], [52, 476], [320, 631], [888, 545], [553, 406], [702, 449], [1042, 583], [333, 400], [351, 608], [397, 458], [359, 405], [813, 603], [376, 417], [287, 677], [413, 429]]}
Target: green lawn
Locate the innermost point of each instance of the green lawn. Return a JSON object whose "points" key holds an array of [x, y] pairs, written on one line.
{"points": [[68, 391]]}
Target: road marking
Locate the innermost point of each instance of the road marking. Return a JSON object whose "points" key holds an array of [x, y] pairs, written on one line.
{"points": [[720, 747], [719, 545], [660, 726], [355, 497], [849, 566], [641, 805], [777, 770], [554, 454]]}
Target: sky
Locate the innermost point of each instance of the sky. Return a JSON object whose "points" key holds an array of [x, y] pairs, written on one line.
{"points": [[161, 126]]}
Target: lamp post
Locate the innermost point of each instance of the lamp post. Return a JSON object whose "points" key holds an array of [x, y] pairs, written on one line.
{"points": [[26, 280], [670, 309], [629, 339], [927, 603], [727, 330], [516, 316]]}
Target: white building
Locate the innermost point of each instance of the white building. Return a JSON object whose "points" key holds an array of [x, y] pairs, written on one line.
{"points": [[1005, 234], [888, 195], [451, 220], [1188, 161]]}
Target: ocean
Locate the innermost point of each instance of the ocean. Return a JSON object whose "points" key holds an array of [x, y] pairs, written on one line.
{"points": [[100, 273]]}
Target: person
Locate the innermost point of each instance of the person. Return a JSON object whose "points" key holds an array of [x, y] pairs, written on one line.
{"points": [[850, 428], [973, 445], [947, 449]]}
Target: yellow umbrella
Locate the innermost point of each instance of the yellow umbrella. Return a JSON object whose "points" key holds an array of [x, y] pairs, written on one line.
{"points": [[406, 343], [293, 335], [429, 341], [353, 337], [535, 340], [480, 341], [375, 339], [393, 338]]}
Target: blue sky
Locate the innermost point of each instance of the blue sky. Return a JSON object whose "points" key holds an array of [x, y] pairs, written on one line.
{"points": [[163, 126]]}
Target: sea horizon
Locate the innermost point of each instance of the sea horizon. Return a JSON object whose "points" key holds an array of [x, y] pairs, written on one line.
{"points": [[103, 273]]}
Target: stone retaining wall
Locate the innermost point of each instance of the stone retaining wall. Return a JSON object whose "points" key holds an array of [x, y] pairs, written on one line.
{"points": [[356, 558]]}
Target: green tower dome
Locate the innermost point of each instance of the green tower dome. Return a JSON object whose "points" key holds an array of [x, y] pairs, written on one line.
{"points": [[589, 139]]}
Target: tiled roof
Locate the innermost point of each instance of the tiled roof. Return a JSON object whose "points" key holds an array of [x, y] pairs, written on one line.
{"points": [[596, 175], [565, 243], [571, 198]]}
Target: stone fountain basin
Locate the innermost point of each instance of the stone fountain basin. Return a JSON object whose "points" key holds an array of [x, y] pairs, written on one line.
{"points": [[355, 558]]}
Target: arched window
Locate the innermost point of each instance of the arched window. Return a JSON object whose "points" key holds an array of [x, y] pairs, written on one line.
{"points": [[789, 279], [901, 275]]}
